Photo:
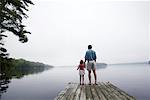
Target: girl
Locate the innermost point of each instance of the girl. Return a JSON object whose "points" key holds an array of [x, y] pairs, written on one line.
{"points": [[81, 71]]}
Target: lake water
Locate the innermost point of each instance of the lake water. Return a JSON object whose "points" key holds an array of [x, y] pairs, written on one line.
{"points": [[132, 78]]}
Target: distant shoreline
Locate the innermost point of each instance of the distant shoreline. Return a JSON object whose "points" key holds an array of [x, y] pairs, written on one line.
{"points": [[105, 64], [146, 62], [17, 68]]}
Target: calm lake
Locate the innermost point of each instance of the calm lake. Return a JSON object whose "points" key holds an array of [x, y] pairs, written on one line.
{"points": [[132, 78]]}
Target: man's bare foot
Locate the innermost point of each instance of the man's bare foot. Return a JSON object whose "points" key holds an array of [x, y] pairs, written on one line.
{"points": [[96, 83]]}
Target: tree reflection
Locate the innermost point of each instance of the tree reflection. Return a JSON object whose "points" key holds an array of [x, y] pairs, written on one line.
{"points": [[11, 68], [3, 83]]}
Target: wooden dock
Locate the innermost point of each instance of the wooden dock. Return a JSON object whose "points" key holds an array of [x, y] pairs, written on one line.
{"points": [[102, 91]]}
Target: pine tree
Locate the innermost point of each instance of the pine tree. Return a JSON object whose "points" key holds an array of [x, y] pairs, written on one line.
{"points": [[12, 13]]}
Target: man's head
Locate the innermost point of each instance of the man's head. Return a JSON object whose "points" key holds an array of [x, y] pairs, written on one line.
{"points": [[89, 46]]}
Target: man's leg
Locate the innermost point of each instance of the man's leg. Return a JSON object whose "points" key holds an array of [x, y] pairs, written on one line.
{"points": [[82, 79], [94, 71], [89, 77]]}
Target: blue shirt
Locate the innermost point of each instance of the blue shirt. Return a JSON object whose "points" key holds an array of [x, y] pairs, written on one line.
{"points": [[90, 55]]}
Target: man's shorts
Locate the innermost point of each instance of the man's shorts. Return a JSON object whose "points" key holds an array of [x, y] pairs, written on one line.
{"points": [[91, 65]]}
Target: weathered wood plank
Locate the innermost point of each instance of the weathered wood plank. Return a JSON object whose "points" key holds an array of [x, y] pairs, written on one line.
{"points": [[99, 93], [102, 91], [94, 93], [69, 91], [62, 93], [129, 97], [73, 92], [83, 95], [115, 92], [112, 94], [78, 93], [105, 92], [88, 92]]}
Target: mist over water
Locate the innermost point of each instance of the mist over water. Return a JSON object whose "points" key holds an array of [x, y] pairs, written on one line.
{"points": [[62, 30], [132, 78]]}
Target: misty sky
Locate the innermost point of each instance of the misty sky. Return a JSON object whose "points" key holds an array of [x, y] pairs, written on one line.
{"points": [[62, 30]]}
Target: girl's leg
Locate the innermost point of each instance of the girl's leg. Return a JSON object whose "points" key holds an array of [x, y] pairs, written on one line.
{"points": [[80, 79], [83, 79]]}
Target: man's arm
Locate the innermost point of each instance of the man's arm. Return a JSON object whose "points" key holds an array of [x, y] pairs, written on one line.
{"points": [[85, 57], [95, 56], [85, 61]]}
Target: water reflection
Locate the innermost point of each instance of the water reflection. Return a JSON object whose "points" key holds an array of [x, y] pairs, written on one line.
{"points": [[101, 66], [8, 72], [132, 78], [3, 83]]}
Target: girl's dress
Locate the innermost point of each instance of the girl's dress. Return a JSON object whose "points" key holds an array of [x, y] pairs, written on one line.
{"points": [[81, 69]]}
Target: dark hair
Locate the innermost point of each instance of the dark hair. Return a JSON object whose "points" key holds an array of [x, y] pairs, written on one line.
{"points": [[81, 61], [89, 46]]}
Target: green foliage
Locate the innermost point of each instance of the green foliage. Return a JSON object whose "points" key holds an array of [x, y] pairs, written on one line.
{"points": [[12, 13], [13, 68]]}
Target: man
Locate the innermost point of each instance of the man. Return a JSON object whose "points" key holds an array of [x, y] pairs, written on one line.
{"points": [[90, 57]]}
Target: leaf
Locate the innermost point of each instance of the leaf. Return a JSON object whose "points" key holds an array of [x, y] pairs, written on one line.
{"points": [[2, 35], [1, 43], [3, 49]]}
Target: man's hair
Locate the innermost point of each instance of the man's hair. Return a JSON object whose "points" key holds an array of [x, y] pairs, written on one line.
{"points": [[89, 46]]}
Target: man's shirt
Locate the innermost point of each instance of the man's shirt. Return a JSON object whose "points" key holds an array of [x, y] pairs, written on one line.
{"points": [[90, 55]]}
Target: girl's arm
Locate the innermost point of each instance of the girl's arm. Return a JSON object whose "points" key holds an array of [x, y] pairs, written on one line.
{"points": [[78, 68]]}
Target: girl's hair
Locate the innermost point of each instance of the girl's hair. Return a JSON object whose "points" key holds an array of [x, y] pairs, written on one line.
{"points": [[81, 61]]}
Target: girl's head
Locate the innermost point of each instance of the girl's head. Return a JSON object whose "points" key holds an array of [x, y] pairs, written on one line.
{"points": [[81, 61]]}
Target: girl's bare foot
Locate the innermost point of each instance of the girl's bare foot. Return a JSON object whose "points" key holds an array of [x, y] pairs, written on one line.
{"points": [[96, 83]]}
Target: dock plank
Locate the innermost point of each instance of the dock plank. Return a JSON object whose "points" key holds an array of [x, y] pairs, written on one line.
{"points": [[73, 92], [88, 92], [112, 94], [62, 93], [116, 93], [105, 92], [94, 93], [102, 91], [83, 95], [78, 94], [129, 97]]}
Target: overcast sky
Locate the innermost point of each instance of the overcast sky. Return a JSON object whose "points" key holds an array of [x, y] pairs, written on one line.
{"points": [[62, 30]]}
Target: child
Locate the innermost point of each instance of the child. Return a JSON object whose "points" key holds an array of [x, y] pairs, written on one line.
{"points": [[81, 71]]}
